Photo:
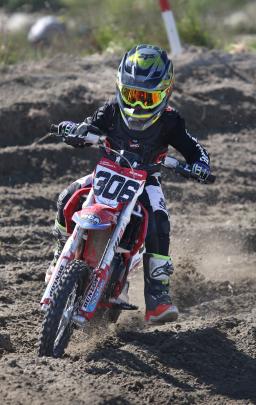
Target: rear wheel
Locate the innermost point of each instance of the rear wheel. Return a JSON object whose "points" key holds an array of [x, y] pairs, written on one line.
{"points": [[57, 326]]}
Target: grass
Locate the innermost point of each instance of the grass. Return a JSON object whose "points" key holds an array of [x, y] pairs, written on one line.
{"points": [[97, 25], [32, 5]]}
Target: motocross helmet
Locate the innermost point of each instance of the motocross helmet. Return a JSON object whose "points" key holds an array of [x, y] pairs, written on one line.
{"points": [[144, 84]]}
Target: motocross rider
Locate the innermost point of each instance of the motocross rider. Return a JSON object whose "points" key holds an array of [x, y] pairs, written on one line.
{"points": [[140, 119]]}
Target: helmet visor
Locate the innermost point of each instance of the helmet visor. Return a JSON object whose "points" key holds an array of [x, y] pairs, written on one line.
{"points": [[146, 99]]}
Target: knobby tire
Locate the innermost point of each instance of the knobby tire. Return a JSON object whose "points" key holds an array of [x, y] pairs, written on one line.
{"points": [[76, 273]]}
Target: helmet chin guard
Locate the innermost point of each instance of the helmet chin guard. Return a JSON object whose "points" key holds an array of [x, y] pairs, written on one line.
{"points": [[139, 120]]}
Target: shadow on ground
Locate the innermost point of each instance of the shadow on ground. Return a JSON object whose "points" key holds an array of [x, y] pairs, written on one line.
{"points": [[206, 354]]}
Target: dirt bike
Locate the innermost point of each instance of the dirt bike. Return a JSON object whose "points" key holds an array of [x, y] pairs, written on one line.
{"points": [[107, 225]]}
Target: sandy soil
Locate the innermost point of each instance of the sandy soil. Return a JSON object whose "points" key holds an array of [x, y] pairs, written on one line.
{"points": [[208, 356]]}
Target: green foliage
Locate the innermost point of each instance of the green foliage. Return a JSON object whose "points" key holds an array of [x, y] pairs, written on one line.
{"points": [[31, 5], [209, 7], [192, 31], [97, 25], [13, 49], [103, 36], [252, 45]]}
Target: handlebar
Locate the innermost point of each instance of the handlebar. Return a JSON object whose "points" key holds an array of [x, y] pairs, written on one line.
{"points": [[90, 138], [54, 130], [170, 162]]}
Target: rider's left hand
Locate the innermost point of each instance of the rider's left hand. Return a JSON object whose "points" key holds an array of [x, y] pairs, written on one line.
{"points": [[201, 171]]}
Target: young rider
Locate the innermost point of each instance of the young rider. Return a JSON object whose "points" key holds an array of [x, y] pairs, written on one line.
{"points": [[140, 120]]}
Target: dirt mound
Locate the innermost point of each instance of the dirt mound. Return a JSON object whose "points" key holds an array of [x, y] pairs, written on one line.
{"points": [[37, 163], [209, 355], [35, 95], [215, 92]]}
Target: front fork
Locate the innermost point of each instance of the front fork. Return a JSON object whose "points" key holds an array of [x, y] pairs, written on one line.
{"points": [[102, 272], [68, 253]]}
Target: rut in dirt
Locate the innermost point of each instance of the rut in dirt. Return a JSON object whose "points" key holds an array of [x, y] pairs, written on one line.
{"points": [[209, 355]]}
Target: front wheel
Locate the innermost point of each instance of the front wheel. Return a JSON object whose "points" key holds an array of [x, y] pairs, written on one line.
{"points": [[57, 326]]}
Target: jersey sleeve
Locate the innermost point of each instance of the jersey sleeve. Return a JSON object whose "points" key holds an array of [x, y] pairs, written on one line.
{"points": [[102, 118], [183, 142]]}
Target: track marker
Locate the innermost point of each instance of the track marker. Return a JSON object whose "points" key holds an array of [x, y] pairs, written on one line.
{"points": [[170, 26]]}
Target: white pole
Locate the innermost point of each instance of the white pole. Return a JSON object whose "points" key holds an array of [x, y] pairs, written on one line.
{"points": [[170, 26]]}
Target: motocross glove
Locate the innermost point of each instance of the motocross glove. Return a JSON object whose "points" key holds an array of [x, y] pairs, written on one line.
{"points": [[76, 134], [201, 171]]}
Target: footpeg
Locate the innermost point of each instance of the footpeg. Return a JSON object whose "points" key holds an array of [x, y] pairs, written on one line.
{"points": [[125, 306]]}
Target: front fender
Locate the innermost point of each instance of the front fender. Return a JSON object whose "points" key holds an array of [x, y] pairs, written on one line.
{"points": [[97, 216]]}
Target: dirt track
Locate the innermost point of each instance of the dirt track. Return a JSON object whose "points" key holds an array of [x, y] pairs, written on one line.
{"points": [[209, 355]]}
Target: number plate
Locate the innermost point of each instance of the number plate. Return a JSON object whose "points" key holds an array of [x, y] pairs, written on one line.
{"points": [[113, 184]]}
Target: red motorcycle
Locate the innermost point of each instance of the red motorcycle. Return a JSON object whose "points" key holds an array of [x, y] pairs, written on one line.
{"points": [[107, 225]]}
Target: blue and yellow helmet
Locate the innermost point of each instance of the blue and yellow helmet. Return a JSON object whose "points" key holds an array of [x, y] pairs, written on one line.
{"points": [[144, 84]]}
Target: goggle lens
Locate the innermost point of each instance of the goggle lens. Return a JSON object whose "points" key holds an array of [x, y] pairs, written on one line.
{"points": [[144, 98]]}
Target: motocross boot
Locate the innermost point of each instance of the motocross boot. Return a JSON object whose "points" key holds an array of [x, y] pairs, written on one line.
{"points": [[157, 271], [61, 236]]}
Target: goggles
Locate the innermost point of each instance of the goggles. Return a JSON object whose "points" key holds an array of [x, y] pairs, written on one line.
{"points": [[146, 99]]}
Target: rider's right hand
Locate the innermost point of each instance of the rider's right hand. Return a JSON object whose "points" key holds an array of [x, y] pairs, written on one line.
{"points": [[78, 135], [72, 134], [67, 128]]}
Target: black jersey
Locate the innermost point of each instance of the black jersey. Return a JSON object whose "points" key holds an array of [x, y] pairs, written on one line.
{"points": [[152, 143]]}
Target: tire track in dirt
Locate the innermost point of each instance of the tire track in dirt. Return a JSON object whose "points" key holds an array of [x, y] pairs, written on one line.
{"points": [[209, 355]]}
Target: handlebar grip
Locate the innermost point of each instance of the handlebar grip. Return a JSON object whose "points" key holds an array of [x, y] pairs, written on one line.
{"points": [[92, 138], [180, 169], [211, 179], [54, 129]]}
